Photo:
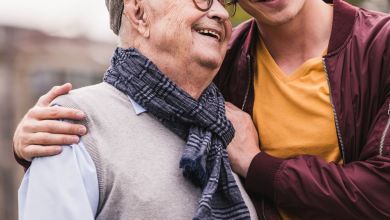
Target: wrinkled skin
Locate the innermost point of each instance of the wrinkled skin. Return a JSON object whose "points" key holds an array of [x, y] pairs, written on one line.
{"points": [[40, 134]]}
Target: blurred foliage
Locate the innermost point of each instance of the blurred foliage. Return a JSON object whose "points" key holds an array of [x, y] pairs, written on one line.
{"points": [[241, 15]]}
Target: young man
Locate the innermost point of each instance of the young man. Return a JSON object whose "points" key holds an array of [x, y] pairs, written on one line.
{"points": [[314, 76]]}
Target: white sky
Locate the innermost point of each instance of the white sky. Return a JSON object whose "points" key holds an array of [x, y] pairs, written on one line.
{"points": [[59, 17], [70, 17]]}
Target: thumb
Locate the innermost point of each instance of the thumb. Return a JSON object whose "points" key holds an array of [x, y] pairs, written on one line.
{"points": [[54, 92]]}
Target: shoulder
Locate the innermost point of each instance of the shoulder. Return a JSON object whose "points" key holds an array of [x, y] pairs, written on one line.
{"points": [[91, 98], [88, 94], [372, 24], [371, 35]]}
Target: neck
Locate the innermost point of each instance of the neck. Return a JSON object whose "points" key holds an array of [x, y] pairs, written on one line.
{"points": [[303, 37], [190, 77], [187, 77]]}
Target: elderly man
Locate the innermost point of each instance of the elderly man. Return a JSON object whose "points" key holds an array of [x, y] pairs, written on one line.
{"points": [[156, 108], [314, 76]]}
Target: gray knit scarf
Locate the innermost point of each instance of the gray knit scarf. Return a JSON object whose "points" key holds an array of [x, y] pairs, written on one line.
{"points": [[202, 123]]}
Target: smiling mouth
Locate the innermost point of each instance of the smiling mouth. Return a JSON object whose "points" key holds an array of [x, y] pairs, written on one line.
{"points": [[209, 33]]}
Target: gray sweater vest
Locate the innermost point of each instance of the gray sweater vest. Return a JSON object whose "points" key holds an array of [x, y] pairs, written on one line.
{"points": [[136, 159]]}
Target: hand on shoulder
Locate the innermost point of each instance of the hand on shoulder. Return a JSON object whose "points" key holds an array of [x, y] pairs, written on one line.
{"points": [[40, 133]]}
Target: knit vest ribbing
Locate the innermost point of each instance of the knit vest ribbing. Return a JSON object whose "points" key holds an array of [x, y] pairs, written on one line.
{"points": [[136, 159]]}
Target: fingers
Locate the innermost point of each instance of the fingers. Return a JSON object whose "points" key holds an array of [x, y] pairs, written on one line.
{"points": [[55, 127], [233, 112], [42, 138], [32, 151], [55, 112], [230, 106], [56, 91]]}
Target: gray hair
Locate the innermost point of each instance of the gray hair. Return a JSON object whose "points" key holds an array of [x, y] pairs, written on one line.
{"points": [[115, 10]]}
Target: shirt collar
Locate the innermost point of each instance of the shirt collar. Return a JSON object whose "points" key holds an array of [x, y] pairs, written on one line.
{"points": [[137, 108]]}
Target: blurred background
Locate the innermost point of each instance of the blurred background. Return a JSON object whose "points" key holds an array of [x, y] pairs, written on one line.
{"points": [[45, 43]]}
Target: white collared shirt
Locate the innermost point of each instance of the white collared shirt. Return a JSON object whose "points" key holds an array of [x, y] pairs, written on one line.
{"points": [[62, 187]]}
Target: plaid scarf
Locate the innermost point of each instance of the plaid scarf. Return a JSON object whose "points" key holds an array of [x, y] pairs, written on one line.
{"points": [[201, 122]]}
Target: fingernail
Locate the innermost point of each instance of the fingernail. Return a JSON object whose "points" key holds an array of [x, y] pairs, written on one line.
{"points": [[75, 139], [80, 114], [82, 130]]}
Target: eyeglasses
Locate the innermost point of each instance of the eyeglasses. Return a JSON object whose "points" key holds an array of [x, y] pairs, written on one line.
{"points": [[205, 5]]}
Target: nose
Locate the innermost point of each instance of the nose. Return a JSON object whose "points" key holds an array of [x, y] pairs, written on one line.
{"points": [[218, 12]]}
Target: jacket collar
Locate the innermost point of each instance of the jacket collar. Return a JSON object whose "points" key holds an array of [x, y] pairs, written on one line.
{"points": [[344, 17], [343, 20]]}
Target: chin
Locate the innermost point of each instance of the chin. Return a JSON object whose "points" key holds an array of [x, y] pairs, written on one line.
{"points": [[211, 64], [275, 20], [210, 59]]}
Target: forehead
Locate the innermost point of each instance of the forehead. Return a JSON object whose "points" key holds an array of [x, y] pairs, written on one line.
{"points": [[170, 7]]}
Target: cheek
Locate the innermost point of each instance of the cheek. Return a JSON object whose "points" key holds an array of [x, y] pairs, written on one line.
{"points": [[179, 34]]}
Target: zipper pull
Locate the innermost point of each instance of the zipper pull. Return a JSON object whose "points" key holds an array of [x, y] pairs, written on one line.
{"points": [[388, 110]]}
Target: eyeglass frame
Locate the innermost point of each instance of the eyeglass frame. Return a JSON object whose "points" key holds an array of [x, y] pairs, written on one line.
{"points": [[210, 3]]}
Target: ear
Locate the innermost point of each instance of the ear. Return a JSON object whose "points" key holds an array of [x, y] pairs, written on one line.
{"points": [[135, 13]]}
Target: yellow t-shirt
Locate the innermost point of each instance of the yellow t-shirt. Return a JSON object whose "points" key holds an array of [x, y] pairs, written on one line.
{"points": [[293, 113]]}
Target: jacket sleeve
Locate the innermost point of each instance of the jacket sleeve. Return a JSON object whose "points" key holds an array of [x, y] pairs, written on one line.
{"points": [[24, 163], [310, 185]]}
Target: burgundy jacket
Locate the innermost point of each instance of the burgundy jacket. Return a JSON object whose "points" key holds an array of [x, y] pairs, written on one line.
{"points": [[358, 70]]}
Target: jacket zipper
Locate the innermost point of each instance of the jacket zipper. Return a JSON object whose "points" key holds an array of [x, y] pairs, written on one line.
{"points": [[249, 63], [262, 208], [248, 58], [334, 113], [384, 133]]}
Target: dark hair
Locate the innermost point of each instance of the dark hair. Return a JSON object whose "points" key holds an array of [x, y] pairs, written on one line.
{"points": [[234, 4]]}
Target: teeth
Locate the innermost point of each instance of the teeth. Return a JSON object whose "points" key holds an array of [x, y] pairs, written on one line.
{"points": [[210, 32]]}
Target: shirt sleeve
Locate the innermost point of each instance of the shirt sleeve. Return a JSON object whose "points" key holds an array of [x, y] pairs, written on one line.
{"points": [[61, 187]]}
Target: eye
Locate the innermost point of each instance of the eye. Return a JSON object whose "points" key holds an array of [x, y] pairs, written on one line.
{"points": [[228, 2], [223, 3]]}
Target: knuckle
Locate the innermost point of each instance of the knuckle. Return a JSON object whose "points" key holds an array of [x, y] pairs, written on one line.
{"points": [[66, 128], [27, 140], [40, 138], [65, 139], [70, 112], [54, 112], [42, 98], [247, 116], [51, 127], [75, 113], [31, 112], [27, 127], [46, 150], [22, 154], [43, 101], [48, 127], [27, 153], [54, 89], [75, 129]]}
